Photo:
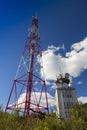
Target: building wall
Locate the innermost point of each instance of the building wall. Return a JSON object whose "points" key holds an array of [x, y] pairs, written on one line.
{"points": [[65, 98]]}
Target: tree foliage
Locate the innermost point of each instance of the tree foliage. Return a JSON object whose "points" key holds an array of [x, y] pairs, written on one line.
{"points": [[14, 121]]}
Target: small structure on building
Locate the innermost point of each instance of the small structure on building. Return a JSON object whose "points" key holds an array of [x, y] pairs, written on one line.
{"points": [[65, 97]]}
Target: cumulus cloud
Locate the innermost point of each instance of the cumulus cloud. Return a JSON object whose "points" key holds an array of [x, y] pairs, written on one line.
{"points": [[52, 64], [35, 96], [82, 99], [73, 63]]}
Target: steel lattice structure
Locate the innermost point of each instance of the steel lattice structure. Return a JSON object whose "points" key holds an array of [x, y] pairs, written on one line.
{"points": [[28, 91]]}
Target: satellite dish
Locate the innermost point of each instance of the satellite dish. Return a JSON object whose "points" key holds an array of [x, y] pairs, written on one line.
{"points": [[67, 75]]}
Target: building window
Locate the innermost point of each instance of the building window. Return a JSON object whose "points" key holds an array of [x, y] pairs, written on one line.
{"points": [[70, 96], [63, 95], [67, 104], [67, 95]]}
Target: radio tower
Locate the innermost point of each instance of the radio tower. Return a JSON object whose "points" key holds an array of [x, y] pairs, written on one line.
{"points": [[28, 93]]}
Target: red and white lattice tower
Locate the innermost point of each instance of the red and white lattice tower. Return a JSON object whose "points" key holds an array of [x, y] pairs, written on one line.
{"points": [[28, 91]]}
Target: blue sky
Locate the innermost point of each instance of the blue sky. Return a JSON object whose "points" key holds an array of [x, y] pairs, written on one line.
{"points": [[60, 23]]}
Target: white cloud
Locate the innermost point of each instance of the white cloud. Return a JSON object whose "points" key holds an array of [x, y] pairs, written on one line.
{"points": [[79, 82], [82, 99], [53, 48], [73, 63], [53, 86], [54, 64], [35, 96]]}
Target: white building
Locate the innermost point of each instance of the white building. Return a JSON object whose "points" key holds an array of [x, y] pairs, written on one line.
{"points": [[65, 97]]}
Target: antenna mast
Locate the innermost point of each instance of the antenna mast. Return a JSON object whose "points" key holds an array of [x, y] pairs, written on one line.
{"points": [[28, 93]]}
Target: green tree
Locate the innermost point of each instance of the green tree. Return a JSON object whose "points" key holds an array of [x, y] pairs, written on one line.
{"points": [[77, 120]]}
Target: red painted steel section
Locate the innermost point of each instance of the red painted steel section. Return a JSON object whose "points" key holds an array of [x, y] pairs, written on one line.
{"points": [[29, 85], [27, 79]]}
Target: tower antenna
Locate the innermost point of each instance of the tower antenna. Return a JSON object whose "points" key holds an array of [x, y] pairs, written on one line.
{"points": [[28, 93]]}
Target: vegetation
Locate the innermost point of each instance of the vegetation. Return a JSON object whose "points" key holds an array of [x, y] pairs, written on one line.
{"points": [[77, 121]]}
